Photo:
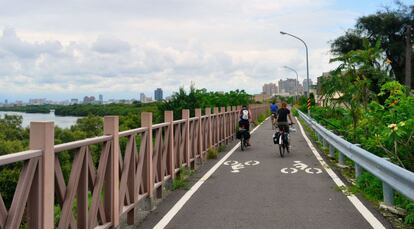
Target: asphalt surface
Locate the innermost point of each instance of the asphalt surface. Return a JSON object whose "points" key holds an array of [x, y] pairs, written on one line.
{"points": [[261, 196]]}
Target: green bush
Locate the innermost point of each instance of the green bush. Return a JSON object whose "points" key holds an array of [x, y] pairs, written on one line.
{"points": [[212, 153]]}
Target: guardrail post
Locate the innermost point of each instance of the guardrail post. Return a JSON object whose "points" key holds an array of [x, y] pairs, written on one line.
{"points": [[148, 170], [40, 205], [324, 142], [331, 151], [169, 118], [200, 138], [388, 194], [209, 133], [358, 168], [111, 200], [341, 159], [187, 148]]}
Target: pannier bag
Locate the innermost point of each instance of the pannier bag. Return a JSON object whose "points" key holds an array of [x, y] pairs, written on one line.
{"points": [[276, 138]]}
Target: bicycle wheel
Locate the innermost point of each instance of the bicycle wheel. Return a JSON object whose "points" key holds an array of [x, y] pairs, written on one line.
{"points": [[242, 143], [282, 149]]}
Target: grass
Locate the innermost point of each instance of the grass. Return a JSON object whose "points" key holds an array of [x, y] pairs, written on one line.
{"points": [[181, 180], [212, 153]]}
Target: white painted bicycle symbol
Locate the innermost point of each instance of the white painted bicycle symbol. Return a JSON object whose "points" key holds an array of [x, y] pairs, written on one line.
{"points": [[298, 165], [236, 166]]}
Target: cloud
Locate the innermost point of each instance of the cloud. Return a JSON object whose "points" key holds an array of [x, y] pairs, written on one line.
{"points": [[110, 45], [12, 44], [137, 46]]}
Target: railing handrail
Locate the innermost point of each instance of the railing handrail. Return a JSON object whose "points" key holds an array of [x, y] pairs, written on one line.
{"points": [[80, 143], [20, 156], [397, 177]]}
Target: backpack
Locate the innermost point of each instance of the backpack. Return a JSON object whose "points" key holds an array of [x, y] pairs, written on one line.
{"points": [[245, 115]]}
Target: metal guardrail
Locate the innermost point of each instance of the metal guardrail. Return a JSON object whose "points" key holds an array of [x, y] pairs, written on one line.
{"points": [[392, 176]]}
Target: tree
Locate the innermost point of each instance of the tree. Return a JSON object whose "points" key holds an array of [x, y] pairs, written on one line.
{"points": [[357, 80], [386, 25]]}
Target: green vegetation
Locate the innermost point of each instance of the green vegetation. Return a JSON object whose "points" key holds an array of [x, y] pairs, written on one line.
{"points": [[106, 109], [387, 26], [201, 98], [30, 108], [365, 101], [181, 180], [212, 153]]}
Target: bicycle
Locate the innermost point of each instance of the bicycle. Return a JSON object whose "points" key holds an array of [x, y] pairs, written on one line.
{"points": [[282, 139], [243, 142], [274, 121]]}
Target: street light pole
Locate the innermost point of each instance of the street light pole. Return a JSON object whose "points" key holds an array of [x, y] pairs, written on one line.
{"points": [[297, 80], [307, 62]]}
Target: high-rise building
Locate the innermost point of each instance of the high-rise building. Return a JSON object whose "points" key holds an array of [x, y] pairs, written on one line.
{"points": [[6, 101], [89, 99], [101, 99], [305, 84], [142, 97], [269, 89], [288, 86], [74, 101], [37, 101], [158, 94]]}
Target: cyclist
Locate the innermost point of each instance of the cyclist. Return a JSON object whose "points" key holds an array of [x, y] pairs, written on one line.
{"points": [[273, 109], [244, 122], [282, 118]]}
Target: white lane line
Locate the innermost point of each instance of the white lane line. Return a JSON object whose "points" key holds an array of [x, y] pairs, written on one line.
{"points": [[174, 210], [375, 223]]}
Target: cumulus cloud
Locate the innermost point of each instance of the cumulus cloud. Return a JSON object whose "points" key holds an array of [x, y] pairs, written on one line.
{"points": [[123, 49]]}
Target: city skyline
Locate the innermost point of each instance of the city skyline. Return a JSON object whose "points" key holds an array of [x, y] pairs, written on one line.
{"points": [[124, 48]]}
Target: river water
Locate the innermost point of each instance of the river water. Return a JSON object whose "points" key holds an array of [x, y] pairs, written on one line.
{"points": [[61, 121]]}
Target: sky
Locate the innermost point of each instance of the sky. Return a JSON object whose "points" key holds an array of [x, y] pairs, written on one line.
{"points": [[69, 49]]}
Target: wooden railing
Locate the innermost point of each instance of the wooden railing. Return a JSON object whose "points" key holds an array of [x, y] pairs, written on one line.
{"points": [[104, 185]]}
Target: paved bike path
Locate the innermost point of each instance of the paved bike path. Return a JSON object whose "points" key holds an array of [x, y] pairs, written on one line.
{"points": [[261, 196]]}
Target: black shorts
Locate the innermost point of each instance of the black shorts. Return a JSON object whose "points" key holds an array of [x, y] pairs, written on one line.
{"points": [[284, 127], [244, 124]]}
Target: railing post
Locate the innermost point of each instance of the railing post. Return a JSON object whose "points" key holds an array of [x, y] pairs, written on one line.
{"points": [[233, 122], [388, 194], [148, 170], [210, 133], [40, 204], [222, 124], [187, 148], [111, 200], [200, 138], [217, 130], [169, 118]]}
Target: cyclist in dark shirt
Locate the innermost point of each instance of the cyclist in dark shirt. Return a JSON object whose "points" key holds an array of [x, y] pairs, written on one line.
{"points": [[282, 118]]}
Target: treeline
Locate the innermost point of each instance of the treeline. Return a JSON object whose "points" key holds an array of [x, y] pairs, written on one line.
{"points": [[30, 108], [201, 98], [104, 109]]}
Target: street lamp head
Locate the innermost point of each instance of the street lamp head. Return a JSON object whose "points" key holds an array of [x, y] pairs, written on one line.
{"points": [[283, 33]]}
